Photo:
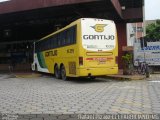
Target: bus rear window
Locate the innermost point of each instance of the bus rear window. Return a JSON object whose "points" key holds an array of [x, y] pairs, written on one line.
{"points": [[98, 35]]}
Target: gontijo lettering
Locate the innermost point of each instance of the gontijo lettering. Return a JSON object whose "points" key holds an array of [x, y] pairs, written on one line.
{"points": [[98, 37]]}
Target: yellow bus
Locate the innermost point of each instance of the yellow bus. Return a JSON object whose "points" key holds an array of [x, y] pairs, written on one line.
{"points": [[85, 48]]}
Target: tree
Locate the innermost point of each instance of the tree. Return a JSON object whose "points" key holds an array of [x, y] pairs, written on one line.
{"points": [[153, 30]]}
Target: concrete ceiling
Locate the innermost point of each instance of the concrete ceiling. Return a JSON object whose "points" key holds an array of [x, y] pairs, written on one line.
{"points": [[28, 18]]}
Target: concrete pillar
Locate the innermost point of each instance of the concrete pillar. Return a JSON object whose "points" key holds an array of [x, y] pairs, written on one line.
{"points": [[122, 41]]}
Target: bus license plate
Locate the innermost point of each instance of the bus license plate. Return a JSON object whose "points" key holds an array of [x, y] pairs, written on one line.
{"points": [[102, 62]]}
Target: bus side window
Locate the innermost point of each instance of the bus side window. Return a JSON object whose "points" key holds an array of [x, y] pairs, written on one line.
{"points": [[73, 34], [49, 43], [60, 39], [52, 42], [56, 41], [63, 38], [68, 37]]}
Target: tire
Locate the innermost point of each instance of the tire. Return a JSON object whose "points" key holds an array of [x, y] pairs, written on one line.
{"points": [[57, 72], [63, 73]]}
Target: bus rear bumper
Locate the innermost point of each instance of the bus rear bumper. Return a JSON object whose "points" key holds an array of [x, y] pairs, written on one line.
{"points": [[97, 71]]}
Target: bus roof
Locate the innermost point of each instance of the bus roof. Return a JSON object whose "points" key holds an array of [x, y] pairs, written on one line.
{"points": [[71, 24]]}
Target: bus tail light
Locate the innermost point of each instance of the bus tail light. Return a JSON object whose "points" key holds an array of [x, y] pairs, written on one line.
{"points": [[116, 60], [80, 60]]}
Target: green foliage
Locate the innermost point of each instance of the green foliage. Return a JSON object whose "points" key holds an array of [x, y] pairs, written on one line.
{"points": [[127, 64], [153, 30], [127, 58]]}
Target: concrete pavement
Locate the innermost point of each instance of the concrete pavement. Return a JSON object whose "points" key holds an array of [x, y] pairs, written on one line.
{"points": [[47, 95]]}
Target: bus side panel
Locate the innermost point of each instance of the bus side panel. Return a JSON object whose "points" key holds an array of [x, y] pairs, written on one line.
{"points": [[66, 56], [39, 62]]}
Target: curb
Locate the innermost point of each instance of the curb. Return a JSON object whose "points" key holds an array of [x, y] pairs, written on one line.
{"points": [[121, 77], [27, 75]]}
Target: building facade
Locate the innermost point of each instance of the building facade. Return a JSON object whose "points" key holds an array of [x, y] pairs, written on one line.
{"points": [[135, 31]]}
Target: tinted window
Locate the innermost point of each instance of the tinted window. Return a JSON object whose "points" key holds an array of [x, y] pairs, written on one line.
{"points": [[71, 35], [64, 38]]}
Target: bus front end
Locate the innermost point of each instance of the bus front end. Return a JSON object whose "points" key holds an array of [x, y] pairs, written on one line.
{"points": [[98, 52]]}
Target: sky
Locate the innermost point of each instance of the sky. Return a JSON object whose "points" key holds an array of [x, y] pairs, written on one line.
{"points": [[152, 9], [3, 0]]}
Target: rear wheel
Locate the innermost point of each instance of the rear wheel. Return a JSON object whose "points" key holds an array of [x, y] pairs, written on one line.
{"points": [[57, 72], [63, 73]]}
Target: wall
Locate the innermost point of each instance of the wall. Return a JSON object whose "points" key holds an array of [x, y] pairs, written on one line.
{"points": [[130, 35]]}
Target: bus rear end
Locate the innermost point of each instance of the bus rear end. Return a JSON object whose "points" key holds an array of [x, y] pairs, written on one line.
{"points": [[98, 51]]}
